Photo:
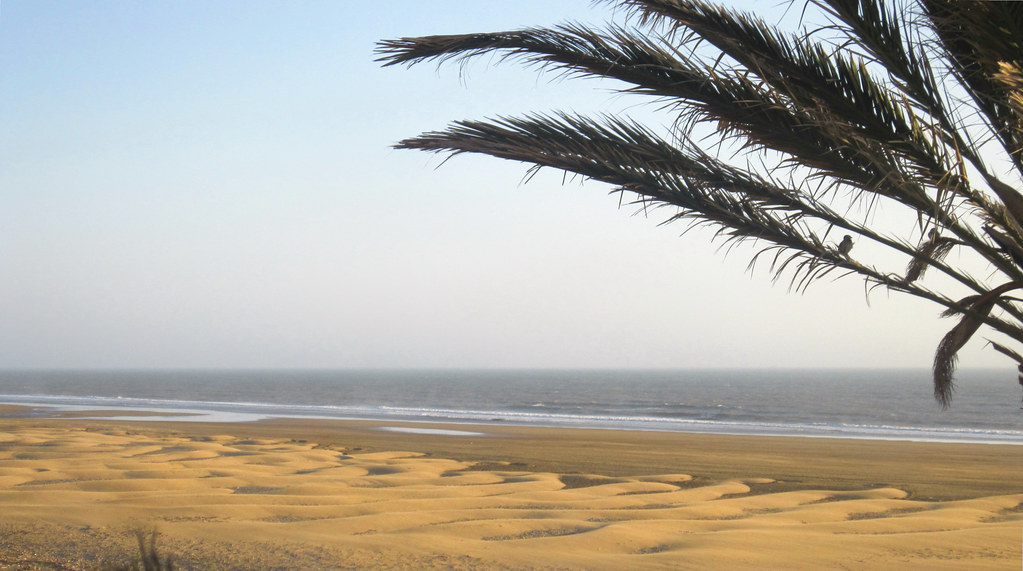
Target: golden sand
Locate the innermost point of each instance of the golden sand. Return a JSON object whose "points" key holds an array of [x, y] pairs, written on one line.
{"points": [[350, 496]]}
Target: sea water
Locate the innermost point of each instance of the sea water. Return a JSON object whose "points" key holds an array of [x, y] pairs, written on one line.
{"points": [[875, 404]]}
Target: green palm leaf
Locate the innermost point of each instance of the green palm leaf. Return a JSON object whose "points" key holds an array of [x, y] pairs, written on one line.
{"points": [[877, 108]]}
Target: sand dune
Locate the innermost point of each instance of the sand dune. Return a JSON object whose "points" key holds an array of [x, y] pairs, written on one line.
{"points": [[223, 500]]}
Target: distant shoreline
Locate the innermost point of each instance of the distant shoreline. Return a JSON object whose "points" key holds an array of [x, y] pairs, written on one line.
{"points": [[107, 411]]}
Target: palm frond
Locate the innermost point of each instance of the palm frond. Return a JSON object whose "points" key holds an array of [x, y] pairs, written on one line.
{"points": [[934, 249], [875, 29], [1010, 75], [763, 118], [976, 309], [1012, 355], [705, 190], [838, 87], [978, 37], [896, 111]]}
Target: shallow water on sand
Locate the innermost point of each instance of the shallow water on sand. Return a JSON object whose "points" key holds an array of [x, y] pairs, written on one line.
{"points": [[877, 404]]}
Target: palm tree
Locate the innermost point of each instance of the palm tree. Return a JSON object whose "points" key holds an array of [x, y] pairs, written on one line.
{"points": [[914, 105]]}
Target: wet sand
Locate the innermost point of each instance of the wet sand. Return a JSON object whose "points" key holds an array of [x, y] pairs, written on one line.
{"points": [[317, 494]]}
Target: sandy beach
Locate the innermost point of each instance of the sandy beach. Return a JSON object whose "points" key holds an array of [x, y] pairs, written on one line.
{"points": [[301, 494]]}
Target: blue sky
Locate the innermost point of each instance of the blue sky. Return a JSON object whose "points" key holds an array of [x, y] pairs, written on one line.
{"points": [[210, 184]]}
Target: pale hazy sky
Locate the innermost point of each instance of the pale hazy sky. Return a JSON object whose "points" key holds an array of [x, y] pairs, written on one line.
{"points": [[210, 184]]}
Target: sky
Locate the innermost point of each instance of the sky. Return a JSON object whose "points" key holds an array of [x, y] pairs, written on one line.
{"points": [[211, 184]]}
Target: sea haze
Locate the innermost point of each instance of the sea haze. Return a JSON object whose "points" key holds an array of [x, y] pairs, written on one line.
{"points": [[873, 404]]}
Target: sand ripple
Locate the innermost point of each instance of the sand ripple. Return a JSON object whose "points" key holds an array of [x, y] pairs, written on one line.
{"points": [[269, 504]]}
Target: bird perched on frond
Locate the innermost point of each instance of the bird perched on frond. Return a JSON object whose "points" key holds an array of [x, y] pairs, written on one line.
{"points": [[845, 246]]}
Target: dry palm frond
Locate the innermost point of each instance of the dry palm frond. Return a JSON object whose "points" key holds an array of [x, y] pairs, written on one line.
{"points": [[935, 248], [977, 38], [1010, 74], [976, 308]]}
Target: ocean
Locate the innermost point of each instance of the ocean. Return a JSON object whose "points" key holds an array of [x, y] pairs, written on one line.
{"points": [[871, 404]]}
